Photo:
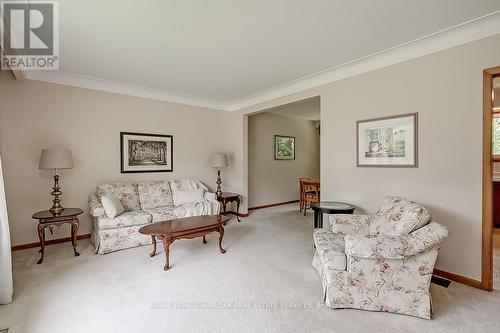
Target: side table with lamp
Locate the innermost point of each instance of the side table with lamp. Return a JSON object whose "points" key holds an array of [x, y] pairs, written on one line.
{"points": [[219, 161], [56, 159]]}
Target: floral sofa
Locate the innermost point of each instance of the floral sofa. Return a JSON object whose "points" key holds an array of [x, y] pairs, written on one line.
{"points": [[382, 262], [145, 203]]}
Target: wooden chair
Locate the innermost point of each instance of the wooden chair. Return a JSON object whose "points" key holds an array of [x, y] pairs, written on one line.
{"points": [[311, 192], [301, 192]]}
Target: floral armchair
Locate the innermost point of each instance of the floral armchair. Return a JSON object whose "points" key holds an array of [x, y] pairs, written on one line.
{"points": [[382, 262]]}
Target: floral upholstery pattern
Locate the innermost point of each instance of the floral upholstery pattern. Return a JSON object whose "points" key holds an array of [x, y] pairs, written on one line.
{"points": [[330, 248], [350, 224], [144, 203], [384, 272], [125, 219], [110, 240], [399, 216], [155, 194], [125, 192], [95, 207], [163, 213]]}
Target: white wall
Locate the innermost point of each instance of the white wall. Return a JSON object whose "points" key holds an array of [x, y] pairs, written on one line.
{"points": [[36, 115], [445, 88], [273, 181]]}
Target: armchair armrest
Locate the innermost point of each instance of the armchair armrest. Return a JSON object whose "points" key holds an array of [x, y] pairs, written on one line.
{"points": [[395, 247], [95, 206], [350, 224]]}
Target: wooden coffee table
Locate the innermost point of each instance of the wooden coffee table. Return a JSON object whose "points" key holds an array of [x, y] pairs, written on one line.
{"points": [[188, 227]]}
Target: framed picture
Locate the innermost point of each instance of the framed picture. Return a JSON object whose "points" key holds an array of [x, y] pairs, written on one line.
{"points": [[284, 147], [388, 141], [146, 152]]}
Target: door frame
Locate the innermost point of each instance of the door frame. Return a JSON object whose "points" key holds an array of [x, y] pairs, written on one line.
{"points": [[487, 223]]}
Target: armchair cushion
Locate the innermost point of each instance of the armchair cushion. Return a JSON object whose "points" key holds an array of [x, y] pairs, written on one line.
{"points": [[395, 247], [399, 216], [155, 194], [330, 249], [348, 224]]}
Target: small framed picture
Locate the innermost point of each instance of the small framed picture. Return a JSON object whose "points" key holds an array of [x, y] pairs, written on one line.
{"points": [[142, 152], [388, 141], [284, 147]]}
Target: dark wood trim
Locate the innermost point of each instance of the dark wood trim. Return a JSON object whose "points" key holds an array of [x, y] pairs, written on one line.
{"points": [[415, 143], [458, 278], [273, 205], [487, 214], [48, 242]]}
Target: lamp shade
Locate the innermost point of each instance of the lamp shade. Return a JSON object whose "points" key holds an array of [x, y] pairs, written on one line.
{"points": [[56, 159], [219, 160]]}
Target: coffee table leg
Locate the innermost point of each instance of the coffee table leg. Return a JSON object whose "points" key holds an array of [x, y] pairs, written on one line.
{"points": [[166, 245], [204, 240], [41, 237], [152, 254], [221, 235]]}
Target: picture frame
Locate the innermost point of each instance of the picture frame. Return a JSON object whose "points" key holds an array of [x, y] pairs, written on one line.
{"points": [[388, 141], [284, 147], [144, 152]]}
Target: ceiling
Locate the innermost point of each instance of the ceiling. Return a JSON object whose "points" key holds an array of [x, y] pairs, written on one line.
{"points": [[225, 51], [308, 109]]}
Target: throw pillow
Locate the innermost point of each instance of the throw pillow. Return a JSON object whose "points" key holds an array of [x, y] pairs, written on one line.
{"points": [[188, 196], [112, 206]]}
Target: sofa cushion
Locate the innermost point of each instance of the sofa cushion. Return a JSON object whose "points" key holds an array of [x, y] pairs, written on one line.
{"points": [[399, 216], [186, 184], [155, 194], [127, 193], [163, 213], [330, 248], [182, 197], [112, 206], [125, 219]]}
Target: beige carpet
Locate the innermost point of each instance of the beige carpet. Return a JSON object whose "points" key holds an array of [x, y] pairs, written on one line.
{"points": [[264, 283]]}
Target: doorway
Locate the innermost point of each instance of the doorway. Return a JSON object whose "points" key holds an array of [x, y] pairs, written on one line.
{"points": [[491, 175]]}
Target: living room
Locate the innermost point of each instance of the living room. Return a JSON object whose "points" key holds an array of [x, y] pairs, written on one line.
{"points": [[190, 77]]}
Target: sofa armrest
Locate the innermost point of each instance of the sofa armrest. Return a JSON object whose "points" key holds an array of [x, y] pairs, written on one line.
{"points": [[210, 196], [350, 224], [95, 207], [396, 247]]}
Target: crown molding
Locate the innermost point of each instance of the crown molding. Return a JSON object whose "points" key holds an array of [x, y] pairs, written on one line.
{"points": [[88, 82], [466, 32], [463, 33]]}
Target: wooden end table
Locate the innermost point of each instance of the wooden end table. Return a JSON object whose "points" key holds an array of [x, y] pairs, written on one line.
{"points": [[188, 227], [47, 219], [227, 197], [329, 207]]}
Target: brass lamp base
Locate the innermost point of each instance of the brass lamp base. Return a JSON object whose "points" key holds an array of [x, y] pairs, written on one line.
{"points": [[218, 192], [56, 208]]}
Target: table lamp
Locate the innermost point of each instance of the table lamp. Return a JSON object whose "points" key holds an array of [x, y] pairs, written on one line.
{"points": [[54, 159], [219, 161]]}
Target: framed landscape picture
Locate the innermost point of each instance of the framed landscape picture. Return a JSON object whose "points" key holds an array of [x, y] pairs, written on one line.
{"points": [[146, 152], [388, 141], [284, 147]]}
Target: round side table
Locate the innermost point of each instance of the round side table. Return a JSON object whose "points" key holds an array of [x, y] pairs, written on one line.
{"points": [[47, 219], [329, 207]]}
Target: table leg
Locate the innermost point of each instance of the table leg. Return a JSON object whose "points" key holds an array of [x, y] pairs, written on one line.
{"points": [[152, 254], [166, 245], [221, 235], [75, 225], [224, 207], [320, 219], [238, 209], [204, 240], [316, 218], [41, 237]]}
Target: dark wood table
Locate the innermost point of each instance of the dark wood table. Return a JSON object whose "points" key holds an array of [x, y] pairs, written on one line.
{"points": [[329, 207], [188, 227], [227, 197], [47, 219]]}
